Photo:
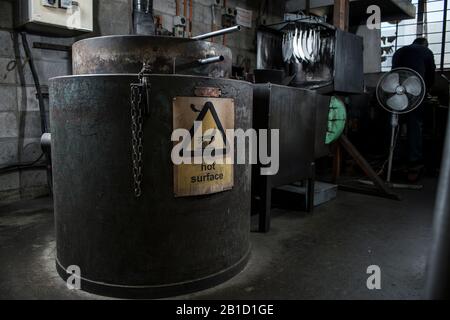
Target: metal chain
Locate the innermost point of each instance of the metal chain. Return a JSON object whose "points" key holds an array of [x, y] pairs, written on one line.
{"points": [[137, 136], [139, 109]]}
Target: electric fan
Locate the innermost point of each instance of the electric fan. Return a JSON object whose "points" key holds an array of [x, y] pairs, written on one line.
{"points": [[399, 91]]}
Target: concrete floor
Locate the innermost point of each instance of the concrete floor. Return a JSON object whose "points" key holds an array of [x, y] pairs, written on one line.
{"points": [[320, 256]]}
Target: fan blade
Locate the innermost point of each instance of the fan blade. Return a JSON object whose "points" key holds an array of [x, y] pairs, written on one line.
{"points": [[398, 102], [413, 86], [391, 83]]}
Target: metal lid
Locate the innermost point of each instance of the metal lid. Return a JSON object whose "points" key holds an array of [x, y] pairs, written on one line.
{"points": [[164, 55]]}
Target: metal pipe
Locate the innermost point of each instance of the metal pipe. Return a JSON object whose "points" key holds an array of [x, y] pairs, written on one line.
{"points": [[394, 125], [145, 6], [42, 113], [224, 38], [438, 278], [143, 22], [211, 60], [191, 14], [396, 36], [307, 7], [444, 29], [420, 17], [37, 84], [217, 33], [213, 19]]}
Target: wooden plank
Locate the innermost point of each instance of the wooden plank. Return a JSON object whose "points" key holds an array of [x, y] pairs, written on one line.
{"points": [[337, 162], [364, 165], [369, 192], [341, 14]]}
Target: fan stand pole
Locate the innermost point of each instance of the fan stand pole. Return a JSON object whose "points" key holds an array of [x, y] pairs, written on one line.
{"points": [[394, 125]]}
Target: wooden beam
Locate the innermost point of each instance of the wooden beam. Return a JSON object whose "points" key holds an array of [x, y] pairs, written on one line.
{"points": [[421, 9], [341, 14], [337, 162]]}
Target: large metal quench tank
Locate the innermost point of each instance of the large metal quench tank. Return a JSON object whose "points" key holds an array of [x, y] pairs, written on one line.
{"points": [[158, 235], [164, 55], [158, 244]]}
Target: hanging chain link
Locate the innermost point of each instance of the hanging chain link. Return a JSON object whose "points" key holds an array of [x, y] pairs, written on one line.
{"points": [[139, 109]]}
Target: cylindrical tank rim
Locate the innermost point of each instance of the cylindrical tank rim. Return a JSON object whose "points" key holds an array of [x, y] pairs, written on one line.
{"points": [[151, 75], [136, 36], [162, 290]]}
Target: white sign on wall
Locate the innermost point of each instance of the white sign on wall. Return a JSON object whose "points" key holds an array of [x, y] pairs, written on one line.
{"points": [[244, 17]]}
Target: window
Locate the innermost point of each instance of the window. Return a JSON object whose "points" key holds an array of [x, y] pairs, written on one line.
{"points": [[395, 36]]}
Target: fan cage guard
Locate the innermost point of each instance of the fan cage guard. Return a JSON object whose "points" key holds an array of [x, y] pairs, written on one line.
{"points": [[403, 76]]}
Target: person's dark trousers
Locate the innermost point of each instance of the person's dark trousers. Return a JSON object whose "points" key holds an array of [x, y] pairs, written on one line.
{"points": [[414, 124]]}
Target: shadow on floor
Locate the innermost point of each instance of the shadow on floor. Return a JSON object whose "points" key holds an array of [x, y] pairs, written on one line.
{"points": [[319, 256]]}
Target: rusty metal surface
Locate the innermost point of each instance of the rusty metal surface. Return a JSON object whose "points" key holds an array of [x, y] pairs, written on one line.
{"points": [[207, 92], [217, 33], [165, 55], [157, 245], [292, 111]]}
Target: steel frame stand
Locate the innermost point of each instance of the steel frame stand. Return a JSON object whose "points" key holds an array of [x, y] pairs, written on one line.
{"points": [[382, 189]]}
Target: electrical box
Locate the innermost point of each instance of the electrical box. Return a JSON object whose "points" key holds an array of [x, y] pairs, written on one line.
{"points": [[55, 17], [179, 27], [50, 3], [179, 21], [228, 17]]}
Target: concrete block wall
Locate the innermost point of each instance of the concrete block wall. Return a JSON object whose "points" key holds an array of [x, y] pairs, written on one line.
{"points": [[20, 129], [242, 44], [19, 112], [19, 115]]}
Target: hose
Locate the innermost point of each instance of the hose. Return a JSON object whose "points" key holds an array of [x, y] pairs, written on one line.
{"points": [[25, 166], [44, 126]]}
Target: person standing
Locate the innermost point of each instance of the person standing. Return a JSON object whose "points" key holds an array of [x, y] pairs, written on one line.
{"points": [[418, 57]]}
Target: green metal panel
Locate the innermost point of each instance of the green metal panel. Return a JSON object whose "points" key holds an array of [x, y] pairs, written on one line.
{"points": [[336, 120]]}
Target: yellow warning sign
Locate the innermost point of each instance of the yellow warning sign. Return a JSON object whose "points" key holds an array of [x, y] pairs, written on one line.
{"points": [[206, 120]]}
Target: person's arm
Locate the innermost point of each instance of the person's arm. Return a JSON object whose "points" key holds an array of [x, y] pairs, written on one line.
{"points": [[395, 60], [430, 69]]}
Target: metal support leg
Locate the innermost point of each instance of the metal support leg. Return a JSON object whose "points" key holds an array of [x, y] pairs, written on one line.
{"points": [[310, 190], [310, 196], [264, 206], [336, 162], [394, 125]]}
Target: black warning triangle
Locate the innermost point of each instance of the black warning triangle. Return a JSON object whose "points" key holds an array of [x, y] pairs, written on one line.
{"points": [[209, 106]]}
